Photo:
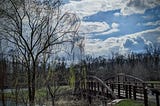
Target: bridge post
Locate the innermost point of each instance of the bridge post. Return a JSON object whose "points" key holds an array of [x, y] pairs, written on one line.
{"points": [[95, 88], [89, 97], [112, 86], [98, 86], [91, 85], [157, 99], [102, 87], [145, 95], [134, 91], [130, 94], [157, 93], [126, 90], [87, 86], [152, 86], [107, 89], [126, 86], [119, 88], [89, 92]]}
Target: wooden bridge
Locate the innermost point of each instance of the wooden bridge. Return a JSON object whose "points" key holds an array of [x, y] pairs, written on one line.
{"points": [[118, 86]]}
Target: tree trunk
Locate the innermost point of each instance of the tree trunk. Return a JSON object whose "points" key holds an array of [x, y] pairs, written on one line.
{"points": [[33, 87], [51, 94], [31, 84], [2, 79], [3, 99], [29, 88], [16, 94], [52, 101]]}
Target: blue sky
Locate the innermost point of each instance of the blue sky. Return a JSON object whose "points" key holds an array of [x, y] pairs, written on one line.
{"points": [[119, 26], [127, 24]]}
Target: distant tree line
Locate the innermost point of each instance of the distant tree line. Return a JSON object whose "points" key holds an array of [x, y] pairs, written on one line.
{"points": [[142, 65]]}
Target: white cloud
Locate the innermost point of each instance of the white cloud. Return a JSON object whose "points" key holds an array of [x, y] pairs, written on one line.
{"points": [[152, 23], [138, 6], [133, 42], [117, 14], [114, 28], [155, 23], [115, 25], [90, 27], [101, 48], [89, 7], [110, 31]]}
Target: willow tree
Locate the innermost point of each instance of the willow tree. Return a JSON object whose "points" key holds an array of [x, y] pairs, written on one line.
{"points": [[35, 27]]}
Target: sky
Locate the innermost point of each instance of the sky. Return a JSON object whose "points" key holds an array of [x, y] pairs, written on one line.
{"points": [[117, 26]]}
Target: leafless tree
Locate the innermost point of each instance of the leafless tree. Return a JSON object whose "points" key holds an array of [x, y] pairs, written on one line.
{"points": [[35, 27]]}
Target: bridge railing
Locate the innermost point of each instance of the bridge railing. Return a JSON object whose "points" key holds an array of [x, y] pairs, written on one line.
{"points": [[123, 86]]}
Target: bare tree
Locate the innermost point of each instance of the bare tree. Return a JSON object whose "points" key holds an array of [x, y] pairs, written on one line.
{"points": [[35, 27]]}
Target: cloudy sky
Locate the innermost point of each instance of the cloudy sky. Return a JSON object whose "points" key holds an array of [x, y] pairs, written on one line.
{"points": [[117, 26]]}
